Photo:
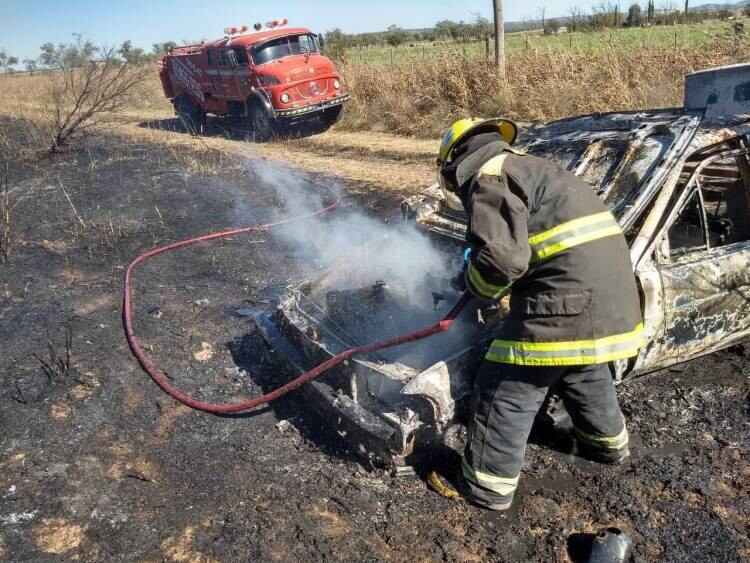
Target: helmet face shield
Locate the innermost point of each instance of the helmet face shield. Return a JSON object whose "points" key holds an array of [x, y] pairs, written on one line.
{"points": [[449, 192], [445, 184]]}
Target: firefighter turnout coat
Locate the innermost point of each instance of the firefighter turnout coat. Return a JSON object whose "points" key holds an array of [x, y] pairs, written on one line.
{"points": [[541, 233]]}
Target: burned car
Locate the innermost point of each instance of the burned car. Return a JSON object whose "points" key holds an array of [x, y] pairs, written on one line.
{"points": [[678, 182]]}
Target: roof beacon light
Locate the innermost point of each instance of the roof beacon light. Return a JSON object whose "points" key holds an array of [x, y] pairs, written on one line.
{"points": [[276, 23], [235, 30], [258, 26]]}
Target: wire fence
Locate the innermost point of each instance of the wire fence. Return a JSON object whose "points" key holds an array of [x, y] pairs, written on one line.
{"points": [[674, 36]]}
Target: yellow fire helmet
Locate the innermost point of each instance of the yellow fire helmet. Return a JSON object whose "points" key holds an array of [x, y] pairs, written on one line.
{"points": [[466, 128]]}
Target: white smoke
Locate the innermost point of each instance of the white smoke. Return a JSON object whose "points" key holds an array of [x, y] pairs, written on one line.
{"points": [[359, 252], [371, 250]]}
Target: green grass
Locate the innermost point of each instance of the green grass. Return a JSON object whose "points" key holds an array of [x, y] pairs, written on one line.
{"points": [[685, 35]]}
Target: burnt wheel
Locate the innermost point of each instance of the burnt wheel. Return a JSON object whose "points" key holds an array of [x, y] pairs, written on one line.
{"points": [[189, 114]]}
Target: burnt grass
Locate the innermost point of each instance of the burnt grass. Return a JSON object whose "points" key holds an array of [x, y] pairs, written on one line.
{"points": [[97, 464]]}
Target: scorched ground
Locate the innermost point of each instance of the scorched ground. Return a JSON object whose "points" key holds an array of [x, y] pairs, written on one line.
{"points": [[96, 464]]}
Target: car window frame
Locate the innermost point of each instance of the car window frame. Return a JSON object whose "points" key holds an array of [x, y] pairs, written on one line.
{"points": [[691, 187]]}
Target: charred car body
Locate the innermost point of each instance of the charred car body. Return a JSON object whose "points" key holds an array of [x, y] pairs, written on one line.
{"points": [[678, 182], [269, 77]]}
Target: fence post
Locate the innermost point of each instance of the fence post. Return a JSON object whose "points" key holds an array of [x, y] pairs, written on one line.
{"points": [[391, 56], [423, 52], [527, 41], [570, 36], [487, 47]]}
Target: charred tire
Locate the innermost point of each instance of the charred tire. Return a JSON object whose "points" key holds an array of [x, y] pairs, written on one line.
{"points": [[189, 114], [330, 117], [262, 123]]}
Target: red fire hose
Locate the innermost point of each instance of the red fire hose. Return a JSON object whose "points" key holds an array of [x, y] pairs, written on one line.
{"points": [[161, 380]]}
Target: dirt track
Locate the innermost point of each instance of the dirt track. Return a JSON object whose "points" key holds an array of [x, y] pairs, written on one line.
{"points": [[99, 465]]}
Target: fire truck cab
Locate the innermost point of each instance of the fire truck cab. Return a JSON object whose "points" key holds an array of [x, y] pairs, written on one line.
{"points": [[269, 78]]}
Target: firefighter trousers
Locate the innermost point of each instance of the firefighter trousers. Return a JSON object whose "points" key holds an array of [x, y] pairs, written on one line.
{"points": [[505, 402]]}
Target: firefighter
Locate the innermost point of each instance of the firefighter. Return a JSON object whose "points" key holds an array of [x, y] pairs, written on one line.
{"points": [[539, 233]]}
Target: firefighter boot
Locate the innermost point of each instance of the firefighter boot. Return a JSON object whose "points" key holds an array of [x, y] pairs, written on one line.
{"points": [[484, 498], [601, 455], [457, 488]]}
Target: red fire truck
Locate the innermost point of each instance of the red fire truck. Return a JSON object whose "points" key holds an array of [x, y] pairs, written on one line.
{"points": [[269, 77]]}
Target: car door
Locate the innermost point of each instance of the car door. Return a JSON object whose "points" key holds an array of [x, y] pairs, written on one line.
{"points": [[701, 263]]}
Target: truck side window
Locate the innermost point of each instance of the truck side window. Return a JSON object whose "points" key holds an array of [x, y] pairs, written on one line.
{"points": [[210, 57], [307, 44], [223, 58], [240, 55]]}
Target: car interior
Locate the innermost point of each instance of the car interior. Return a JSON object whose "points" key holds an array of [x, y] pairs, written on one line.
{"points": [[718, 213]]}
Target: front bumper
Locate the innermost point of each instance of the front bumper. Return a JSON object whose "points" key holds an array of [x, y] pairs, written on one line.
{"points": [[312, 108]]}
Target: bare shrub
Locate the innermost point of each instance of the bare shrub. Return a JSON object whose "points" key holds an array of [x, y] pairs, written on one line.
{"points": [[58, 365], [86, 84]]}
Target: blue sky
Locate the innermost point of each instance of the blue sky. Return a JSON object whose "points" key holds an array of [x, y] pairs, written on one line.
{"points": [[26, 24]]}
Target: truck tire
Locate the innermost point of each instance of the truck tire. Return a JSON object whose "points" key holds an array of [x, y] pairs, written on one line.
{"points": [[262, 124], [329, 117], [189, 114]]}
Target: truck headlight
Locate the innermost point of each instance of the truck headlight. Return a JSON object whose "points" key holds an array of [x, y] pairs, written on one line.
{"points": [[285, 98], [336, 83]]}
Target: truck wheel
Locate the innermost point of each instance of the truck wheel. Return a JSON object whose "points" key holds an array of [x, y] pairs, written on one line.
{"points": [[329, 117], [191, 116], [263, 127]]}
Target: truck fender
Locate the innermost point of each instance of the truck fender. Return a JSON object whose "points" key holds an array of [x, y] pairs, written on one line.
{"points": [[260, 98]]}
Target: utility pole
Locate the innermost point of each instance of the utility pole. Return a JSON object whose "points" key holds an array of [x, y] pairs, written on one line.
{"points": [[499, 38]]}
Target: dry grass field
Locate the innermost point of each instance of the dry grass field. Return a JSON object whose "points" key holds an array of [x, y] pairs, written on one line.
{"points": [[420, 99], [424, 97]]}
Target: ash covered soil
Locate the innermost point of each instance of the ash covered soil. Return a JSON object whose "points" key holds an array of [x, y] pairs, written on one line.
{"points": [[97, 464]]}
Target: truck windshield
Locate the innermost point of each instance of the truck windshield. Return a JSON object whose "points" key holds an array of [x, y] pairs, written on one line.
{"points": [[284, 47]]}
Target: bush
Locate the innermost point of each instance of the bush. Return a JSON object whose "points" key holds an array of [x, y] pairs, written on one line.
{"points": [[425, 96], [86, 84]]}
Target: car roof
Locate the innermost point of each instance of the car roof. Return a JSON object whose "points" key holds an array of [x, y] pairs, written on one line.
{"points": [[624, 156]]}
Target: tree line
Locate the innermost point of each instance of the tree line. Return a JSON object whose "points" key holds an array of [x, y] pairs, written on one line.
{"points": [[604, 15], [80, 52]]}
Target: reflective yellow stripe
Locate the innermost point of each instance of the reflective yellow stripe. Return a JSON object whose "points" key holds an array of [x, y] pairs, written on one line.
{"points": [[562, 360], [604, 442], [500, 485], [478, 286], [572, 233], [575, 344], [571, 353], [493, 167], [569, 226]]}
